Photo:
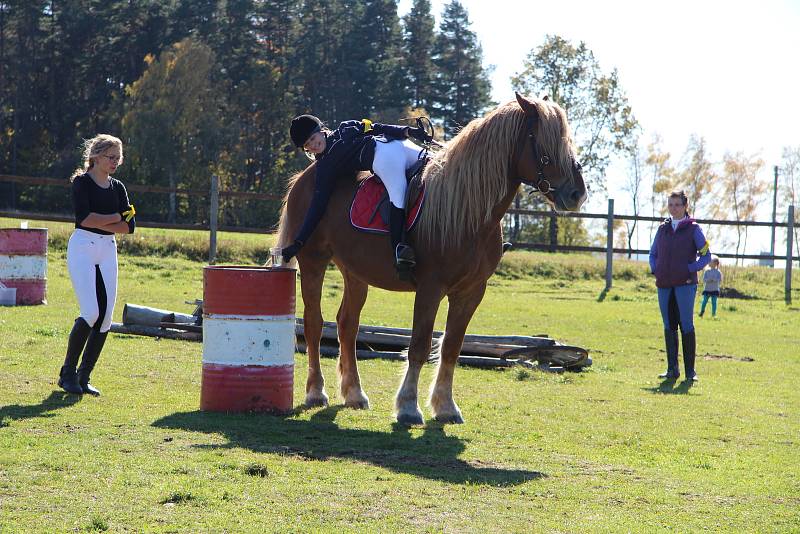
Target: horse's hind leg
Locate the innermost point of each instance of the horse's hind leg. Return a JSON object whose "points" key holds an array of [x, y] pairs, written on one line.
{"points": [[355, 294], [311, 279], [460, 310]]}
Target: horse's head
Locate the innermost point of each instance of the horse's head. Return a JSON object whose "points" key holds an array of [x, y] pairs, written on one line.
{"points": [[547, 160]]}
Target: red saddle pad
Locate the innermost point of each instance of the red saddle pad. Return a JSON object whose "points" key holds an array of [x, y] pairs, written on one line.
{"points": [[371, 203]]}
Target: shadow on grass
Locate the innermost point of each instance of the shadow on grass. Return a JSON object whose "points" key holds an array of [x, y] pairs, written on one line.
{"points": [[433, 455], [56, 400], [668, 387], [603, 294]]}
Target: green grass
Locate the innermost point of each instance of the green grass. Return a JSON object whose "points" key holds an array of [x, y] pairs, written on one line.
{"points": [[610, 449]]}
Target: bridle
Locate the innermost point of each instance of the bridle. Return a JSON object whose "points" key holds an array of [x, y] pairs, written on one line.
{"points": [[541, 160]]}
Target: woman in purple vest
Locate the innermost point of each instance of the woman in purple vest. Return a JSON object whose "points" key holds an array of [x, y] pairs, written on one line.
{"points": [[675, 263]]}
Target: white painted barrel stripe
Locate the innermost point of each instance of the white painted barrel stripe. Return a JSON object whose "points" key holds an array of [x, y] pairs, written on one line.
{"points": [[242, 317], [237, 341], [14, 267]]}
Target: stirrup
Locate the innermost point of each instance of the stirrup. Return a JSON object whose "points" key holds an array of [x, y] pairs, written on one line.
{"points": [[404, 257]]}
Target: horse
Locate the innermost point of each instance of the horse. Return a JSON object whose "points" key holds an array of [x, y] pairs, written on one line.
{"points": [[470, 183]]}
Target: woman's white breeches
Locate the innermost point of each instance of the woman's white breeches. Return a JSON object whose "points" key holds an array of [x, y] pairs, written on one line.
{"points": [[86, 252]]}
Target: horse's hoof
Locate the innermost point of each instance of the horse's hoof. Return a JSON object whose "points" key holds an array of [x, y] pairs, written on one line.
{"points": [[316, 400], [359, 403], [450, 419], [313, 403], [410, 419]]}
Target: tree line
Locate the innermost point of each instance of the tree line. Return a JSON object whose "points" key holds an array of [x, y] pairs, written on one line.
{"points": [[195, 87], [202, 87]]}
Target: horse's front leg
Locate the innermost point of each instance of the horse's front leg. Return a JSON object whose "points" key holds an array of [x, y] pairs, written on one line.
{"points": [[355, 294], [313, 273], [460, 310], [426, 304]]}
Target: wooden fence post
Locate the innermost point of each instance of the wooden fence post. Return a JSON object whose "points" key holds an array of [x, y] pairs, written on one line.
{"points": [[212, 220], [553, 232], [789, 248], [609, 243]]}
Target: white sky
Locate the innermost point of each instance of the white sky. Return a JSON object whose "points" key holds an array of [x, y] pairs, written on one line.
{"points": [[728, 71]]}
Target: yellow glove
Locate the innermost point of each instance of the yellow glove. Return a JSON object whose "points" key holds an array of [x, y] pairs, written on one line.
{"points": [[130, 214]]}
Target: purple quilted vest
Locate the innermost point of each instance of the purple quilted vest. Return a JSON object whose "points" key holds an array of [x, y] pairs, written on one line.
{"points": [[676, 250]]}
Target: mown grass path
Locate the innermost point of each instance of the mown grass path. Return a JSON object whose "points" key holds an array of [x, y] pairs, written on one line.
{"points": [[610, 449]]}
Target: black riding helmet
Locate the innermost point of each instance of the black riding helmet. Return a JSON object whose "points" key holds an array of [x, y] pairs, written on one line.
{"points": [[303, 127]]}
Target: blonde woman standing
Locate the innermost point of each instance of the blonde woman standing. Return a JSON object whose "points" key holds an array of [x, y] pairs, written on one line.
{"points": [[102, 209]]}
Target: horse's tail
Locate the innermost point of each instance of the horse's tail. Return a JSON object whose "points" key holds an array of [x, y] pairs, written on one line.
{"points": [[283, 237]]}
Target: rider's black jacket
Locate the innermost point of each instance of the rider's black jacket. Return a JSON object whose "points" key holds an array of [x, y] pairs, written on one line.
{"points": [[348, 149]]}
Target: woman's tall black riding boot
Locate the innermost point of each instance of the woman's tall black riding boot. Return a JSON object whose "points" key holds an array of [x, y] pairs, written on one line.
{"points": [[671, 342], [403, 254], [67, 379], [689, 350], [93, 349]]}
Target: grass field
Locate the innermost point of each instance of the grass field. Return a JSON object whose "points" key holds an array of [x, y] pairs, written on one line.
{"points": [[609, 449]]}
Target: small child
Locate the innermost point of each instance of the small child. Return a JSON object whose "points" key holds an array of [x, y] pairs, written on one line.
{"points": [[712, 280]]}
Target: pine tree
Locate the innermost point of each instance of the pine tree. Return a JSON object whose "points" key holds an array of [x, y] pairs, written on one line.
{"points": [[386, 63], [317, 70], [418, 26], [462, 87]]}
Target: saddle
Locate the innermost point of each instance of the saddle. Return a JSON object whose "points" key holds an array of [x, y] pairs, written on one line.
{"points": [[369, 211]]}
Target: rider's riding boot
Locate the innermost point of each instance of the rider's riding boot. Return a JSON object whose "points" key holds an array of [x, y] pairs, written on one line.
{"points": [[403, 253], [671, 342], [93, 348], [689, 351], [67, 379]]}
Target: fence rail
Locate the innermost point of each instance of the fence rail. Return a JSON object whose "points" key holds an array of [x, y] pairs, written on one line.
{"points": [[214, 194]]}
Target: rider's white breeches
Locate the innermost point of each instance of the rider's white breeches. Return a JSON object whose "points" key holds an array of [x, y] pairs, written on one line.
{"points": [[390, 164], [86, 251]]}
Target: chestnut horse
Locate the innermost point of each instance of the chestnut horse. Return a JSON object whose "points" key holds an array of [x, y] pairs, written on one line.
{"points": [[470, 184]]}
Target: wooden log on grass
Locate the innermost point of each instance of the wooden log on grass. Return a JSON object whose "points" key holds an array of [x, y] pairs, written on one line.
{"points": [[380, 337], [145, 316], [155, 331]]}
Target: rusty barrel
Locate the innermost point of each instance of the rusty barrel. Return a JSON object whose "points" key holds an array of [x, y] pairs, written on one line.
{"points": [[23, 263], [248, 339]]}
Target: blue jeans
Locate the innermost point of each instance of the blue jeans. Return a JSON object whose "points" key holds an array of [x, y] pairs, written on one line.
{"points": [[677, 305]]}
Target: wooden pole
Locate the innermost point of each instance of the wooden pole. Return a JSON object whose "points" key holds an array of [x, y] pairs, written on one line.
{"points": [[212, 219], [609, 243], [774, 210], [789, 248]]}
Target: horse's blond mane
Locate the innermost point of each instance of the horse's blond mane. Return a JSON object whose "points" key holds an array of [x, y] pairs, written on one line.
{"points": [[469, 177]]}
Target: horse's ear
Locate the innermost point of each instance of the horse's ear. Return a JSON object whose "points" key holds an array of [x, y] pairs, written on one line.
{"points": [[527, 106]]}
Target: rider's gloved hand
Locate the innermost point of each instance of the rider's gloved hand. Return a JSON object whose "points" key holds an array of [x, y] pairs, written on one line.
{"points": [[419, 134], [291, 251]]}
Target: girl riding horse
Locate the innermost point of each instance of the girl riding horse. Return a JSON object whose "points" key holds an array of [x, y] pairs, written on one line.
{"points": [[358, 146]]}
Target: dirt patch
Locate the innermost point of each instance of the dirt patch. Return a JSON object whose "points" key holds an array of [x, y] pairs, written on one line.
{"points": [[727, 357], [733, 293]]}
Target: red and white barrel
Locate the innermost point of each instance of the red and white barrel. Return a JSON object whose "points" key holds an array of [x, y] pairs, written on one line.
{"points": [[248, 339], [23, 263]]}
